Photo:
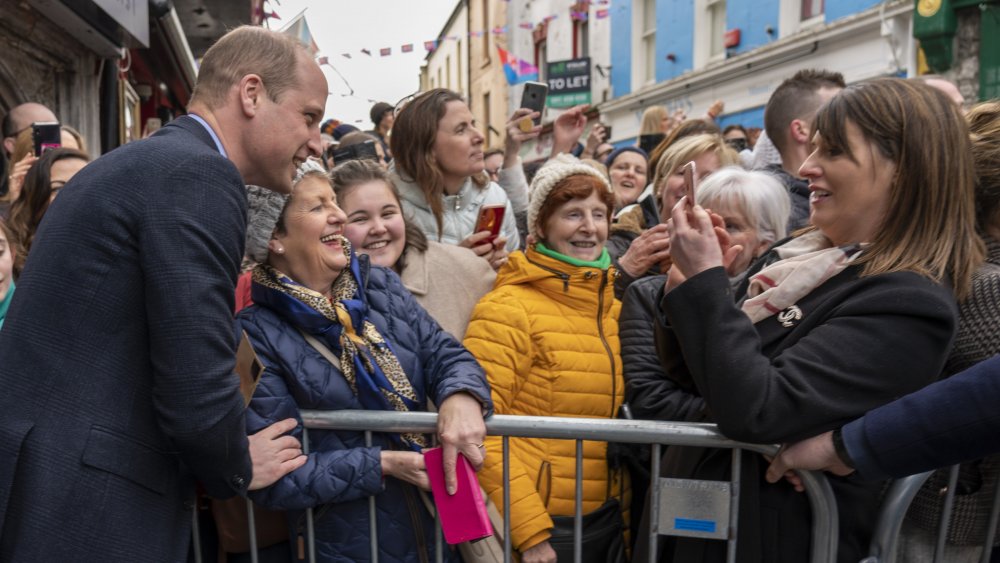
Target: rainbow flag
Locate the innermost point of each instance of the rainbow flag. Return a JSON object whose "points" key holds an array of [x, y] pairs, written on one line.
{"points": [[517, 70]]}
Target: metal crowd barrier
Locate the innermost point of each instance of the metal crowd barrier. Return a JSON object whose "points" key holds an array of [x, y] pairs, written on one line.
{"points": [[899, 496], [657, 434]]}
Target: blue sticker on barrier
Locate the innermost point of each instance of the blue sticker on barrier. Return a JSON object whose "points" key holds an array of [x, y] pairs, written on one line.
{"points": [[692, 525]]}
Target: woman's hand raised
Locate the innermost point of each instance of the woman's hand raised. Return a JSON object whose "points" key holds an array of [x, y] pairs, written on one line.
{"points": [[698, 242], [648, 249]]}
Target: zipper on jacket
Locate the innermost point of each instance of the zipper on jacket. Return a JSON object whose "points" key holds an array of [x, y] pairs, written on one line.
{"points": [[561, 275], [611, 358], [604, 341]]}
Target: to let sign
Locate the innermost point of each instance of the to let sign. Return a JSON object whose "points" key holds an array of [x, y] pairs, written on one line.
{"points": [[569, 82]]}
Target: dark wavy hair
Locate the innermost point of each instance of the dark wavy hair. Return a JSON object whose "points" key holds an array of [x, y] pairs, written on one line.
{"points": [[27, 211]]}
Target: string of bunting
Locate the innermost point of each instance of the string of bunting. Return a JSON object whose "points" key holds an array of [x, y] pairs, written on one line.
{"points": [[433, 44]]}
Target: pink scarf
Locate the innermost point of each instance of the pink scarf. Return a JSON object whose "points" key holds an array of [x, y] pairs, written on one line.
{"points": [[806, 263]]}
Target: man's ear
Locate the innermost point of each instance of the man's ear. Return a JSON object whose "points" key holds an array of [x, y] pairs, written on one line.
{"points": [[251, 94], [799, 131]]}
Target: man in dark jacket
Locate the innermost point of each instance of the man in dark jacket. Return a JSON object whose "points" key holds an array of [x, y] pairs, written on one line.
{"points": [[117, 356], [788, 119]]}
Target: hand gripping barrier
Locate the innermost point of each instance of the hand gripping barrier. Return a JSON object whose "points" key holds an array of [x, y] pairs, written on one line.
{"points": [[657, 434]]}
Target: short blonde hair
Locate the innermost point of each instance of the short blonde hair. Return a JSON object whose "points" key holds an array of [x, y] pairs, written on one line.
{"points": [[690, 148], [248, 50], [652, 120]]}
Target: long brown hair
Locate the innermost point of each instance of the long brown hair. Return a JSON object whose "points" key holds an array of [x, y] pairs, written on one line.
{"points": [[413, 134], [27, 211], [930, 226]]}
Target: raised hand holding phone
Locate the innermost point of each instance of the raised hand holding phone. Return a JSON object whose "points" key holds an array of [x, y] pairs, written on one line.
{"points": [[533, 98]]}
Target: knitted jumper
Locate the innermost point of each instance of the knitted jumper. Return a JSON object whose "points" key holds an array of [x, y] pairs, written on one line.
{"points": [[978, 339]]}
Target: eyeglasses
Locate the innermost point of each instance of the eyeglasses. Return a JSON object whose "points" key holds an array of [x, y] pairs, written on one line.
{"points": [[402, 103]]}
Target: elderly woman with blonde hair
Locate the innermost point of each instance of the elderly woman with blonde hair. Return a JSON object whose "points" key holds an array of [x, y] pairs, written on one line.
{"points": [[638, 242]]}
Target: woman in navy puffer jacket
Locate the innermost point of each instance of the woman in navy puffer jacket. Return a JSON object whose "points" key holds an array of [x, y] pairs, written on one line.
{"points": [[389, 355]]}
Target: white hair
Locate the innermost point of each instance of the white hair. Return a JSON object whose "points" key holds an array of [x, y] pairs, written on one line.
{"points": [[759, 196]]}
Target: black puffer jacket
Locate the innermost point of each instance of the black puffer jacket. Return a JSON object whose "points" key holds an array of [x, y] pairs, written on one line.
{"points": [[648, 391]]}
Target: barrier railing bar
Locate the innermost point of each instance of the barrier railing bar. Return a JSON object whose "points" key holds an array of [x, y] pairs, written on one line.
{"points": [[991, 529], [654, 501], [736, 478], [897, 500], [195, 533], [945, 519], [252, 524], [578, 506], [507, 548], [598, 429], [826, 526], [310, 524], [372, 514], [819, 492]]}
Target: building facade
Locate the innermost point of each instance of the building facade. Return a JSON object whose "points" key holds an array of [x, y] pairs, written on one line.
{"points": [[113, 70], [447, 65], [488, 90], [557, 36], [689, 53]]}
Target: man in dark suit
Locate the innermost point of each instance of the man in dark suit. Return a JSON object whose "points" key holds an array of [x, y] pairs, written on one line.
{"points": [[117, 356]]}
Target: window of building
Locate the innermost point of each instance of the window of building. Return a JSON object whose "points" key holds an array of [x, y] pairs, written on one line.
{"points": [[717, 28], [447, 72], [811, 9], [459, 85], [485, 125], [485, 7], [541, 57], [581, 39], [648, 39]]}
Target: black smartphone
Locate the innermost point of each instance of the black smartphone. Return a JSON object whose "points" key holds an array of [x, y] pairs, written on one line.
{"points": [[46, 136], [607, 133], [533, 98]]}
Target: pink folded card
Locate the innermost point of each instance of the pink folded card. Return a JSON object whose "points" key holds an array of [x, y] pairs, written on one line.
{"points": [[463, 515]]}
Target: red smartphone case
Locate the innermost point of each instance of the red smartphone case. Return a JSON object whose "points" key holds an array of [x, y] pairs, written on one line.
{"points": [[463, 515]]}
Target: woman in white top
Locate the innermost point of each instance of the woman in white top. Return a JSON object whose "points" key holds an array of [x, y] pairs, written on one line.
{"points": [[438, 170]]}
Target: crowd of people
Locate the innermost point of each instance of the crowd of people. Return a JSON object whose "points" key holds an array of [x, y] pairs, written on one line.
{"points": [[779, 283]]}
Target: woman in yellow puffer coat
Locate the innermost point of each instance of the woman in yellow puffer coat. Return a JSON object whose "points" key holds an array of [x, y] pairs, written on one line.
{"points": [[547, 336]]}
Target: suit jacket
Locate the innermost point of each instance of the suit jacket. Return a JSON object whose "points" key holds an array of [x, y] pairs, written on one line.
{"points": [[117, 357], [860, 342], [951, 421]]}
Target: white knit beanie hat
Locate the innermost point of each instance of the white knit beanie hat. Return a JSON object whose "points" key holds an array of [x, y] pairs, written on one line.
{"points": [[553, 172]]}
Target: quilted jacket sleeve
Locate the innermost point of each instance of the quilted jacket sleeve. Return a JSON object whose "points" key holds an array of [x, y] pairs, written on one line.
{"points": [[328, 476], [648, 390], [499, 337]]}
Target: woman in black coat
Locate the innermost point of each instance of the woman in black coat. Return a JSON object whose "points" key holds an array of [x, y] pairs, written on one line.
{"points": [[835, 321]]}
